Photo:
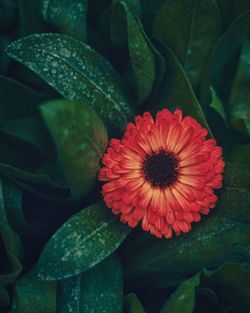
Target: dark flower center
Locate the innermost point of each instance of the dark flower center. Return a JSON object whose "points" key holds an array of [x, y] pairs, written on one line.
{"points": [[161, 169]]}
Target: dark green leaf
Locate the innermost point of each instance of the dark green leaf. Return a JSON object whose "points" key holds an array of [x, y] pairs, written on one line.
{"points": [[34, 296], [217, 105], [11, 242], [83, 241], [240, 95], [190, 29], [81, 140], [183, 299], [221, 63], [67, 16], [231, 283], [176, 91], [221, 237], [126, 31], [97, 290], [133, 304], [77, 72]]}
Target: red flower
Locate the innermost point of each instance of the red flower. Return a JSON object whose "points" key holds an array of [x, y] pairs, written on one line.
{"points": [[162, 173]]}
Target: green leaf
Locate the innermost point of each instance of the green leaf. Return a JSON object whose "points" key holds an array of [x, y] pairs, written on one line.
{"points": [[67, 16], [217, 105], [34, 296], [222, 236], [39, 183], [183, 299], [176, 91], [240, 95], [97, 290], [81, 140], [77, 72], [221, 64], [132, 304], [190, 29], [127, 32], [82, 242], [231, 282], [11, 242]]}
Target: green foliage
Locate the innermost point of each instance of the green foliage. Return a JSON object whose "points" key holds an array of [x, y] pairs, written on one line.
{"points": [[68, 16], [133, 304], [83, 241], [34, 296], [76, 71], [99, 289], [191, 34], [81, 140], [111, 60], [126, 31]]}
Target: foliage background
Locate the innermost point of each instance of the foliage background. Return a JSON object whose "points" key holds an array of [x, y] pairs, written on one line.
{"points": [[63, 94]]}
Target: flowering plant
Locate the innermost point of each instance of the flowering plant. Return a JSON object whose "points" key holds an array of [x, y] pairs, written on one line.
{"points": [[122, 124]]}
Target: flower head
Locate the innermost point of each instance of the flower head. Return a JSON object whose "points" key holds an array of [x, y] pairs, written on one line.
{"points": [[162, 173]]}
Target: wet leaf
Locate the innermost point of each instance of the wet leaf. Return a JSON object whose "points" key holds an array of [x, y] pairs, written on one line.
{"points": [[81, 140], [77, 72], [67, 16], [240, 95], [97, 290], [190, 29], [132, 304], [126, 31], [176, 91], [34, 296], [222, 236], [183, 299], [82, 242]]}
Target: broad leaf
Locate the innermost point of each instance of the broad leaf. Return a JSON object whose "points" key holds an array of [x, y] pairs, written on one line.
{"points": [[126, 31], [82, 242], [240, 95], [67, 16], [77, 72], [34, 296], [97, 290], [81, 140], [189, 29], [222, 236], [132, 304], [176, 91]]}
